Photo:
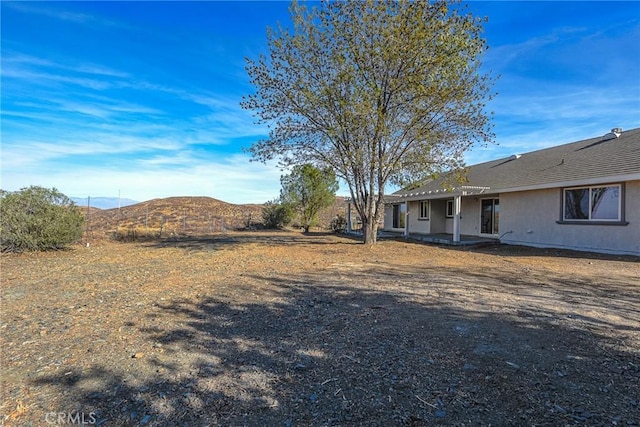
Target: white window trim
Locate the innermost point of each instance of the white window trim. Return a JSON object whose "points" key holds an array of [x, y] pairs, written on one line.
{"points": [[446, 209], [592, 220], [420, 216]]}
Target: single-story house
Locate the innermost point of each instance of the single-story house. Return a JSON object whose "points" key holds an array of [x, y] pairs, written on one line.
{"points": [[583, 196]]}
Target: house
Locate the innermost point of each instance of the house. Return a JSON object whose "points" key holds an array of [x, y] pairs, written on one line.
{"points": [[583, 196]]}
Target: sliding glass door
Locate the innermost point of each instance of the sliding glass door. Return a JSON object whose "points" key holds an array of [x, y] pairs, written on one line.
{"points": [[489, 216], [399, 215]]}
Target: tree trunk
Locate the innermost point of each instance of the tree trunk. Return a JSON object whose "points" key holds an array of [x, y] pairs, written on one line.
{"points": [[370, 223], [370, 231]]}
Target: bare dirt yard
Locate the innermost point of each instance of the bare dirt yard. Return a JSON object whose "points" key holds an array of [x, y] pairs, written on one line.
{"points": [[283, 329]]}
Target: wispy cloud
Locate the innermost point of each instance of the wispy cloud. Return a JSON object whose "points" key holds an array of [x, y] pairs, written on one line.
{"points": [[40, 9], [46, 79], [51, 10], [23, 60]]}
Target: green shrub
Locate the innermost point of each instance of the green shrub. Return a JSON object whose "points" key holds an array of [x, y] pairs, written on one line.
{"points": [[38, 219], [339, 224], [276, 214]]}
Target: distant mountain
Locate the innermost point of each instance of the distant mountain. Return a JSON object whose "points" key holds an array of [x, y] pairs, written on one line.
{"points": [[102, 202]]}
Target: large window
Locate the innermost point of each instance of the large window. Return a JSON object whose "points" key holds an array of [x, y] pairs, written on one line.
{"points": [[424, 210], [602, 203]]}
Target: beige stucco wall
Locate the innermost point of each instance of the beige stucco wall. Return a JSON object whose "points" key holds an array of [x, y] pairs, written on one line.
{"points": [[530, 218], [388, 217], [470, 213], [417, 225], [437, 220]]}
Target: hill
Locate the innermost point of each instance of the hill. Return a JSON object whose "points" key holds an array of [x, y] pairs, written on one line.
{"points": [[173, 215], [184, 216]]}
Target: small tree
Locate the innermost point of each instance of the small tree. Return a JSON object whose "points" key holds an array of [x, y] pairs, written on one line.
{"points": [[276, 214], [309, 190], [37, 218]]}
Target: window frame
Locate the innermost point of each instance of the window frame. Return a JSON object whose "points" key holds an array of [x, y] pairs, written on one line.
{"points": [[620, 220], [399, 216], [495, 216], [422, 211], [448, 210]]}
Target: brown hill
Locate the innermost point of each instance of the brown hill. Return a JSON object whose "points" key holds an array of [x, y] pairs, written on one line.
{"points": [[184, 216], [173, 215]]}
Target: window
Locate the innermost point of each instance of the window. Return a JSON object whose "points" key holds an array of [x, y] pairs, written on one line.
{"points": [[449, 212], [399, 214], [601, 203], [424, 210]]}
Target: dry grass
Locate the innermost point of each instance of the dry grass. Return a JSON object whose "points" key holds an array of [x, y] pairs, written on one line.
{"points": [[267, 328]]}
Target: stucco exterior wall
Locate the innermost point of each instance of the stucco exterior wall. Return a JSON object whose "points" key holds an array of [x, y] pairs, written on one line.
{"points": [[530, 218], [417, 225], [388, 217], [437, 221], [470, 216]]}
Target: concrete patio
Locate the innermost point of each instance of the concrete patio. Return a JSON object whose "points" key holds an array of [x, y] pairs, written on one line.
{"points": [[440, 238]]}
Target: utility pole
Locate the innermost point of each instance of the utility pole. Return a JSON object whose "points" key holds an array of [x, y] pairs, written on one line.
{"points": [[88, 219], [184, 222], [118, 220]]}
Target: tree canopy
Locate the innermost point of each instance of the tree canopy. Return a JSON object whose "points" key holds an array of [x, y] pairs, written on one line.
{"points": [[383, 92], [308, 190]]}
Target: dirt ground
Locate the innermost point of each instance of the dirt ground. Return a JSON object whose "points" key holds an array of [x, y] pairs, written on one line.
{"points": [[283, 329]]}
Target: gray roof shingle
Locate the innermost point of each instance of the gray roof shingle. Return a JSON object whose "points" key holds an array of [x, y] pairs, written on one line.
{"points": [[590, 161]]}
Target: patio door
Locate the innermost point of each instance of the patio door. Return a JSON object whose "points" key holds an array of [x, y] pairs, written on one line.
{"points": [[489, 216], [399, 215]]}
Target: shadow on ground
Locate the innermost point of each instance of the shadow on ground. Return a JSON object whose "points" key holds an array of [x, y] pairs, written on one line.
{"points": [[321, 353], [500, 249], [266, 237]]}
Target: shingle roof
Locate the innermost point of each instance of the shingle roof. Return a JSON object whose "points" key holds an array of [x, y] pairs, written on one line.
{"points": [[590, 161]]}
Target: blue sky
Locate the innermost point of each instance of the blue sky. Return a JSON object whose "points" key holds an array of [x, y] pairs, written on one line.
{"points": [[142, 98]]}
